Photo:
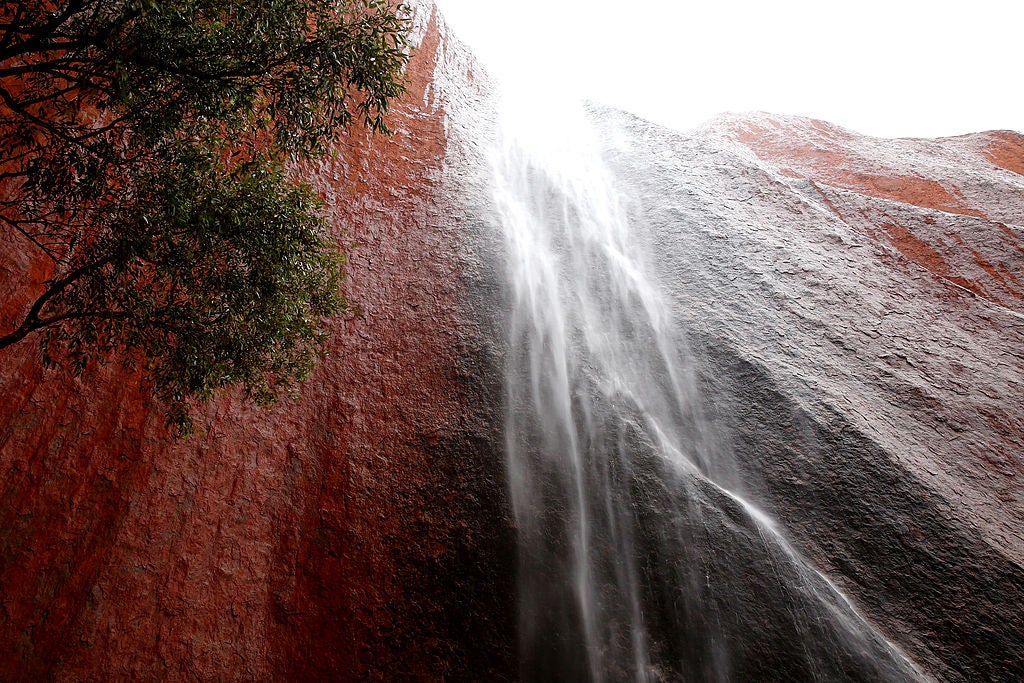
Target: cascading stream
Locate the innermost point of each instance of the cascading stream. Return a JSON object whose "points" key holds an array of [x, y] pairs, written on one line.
{"points": [[639, 558]]}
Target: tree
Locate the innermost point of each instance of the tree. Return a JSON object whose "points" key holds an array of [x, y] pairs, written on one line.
{"points": [[145, 148]]}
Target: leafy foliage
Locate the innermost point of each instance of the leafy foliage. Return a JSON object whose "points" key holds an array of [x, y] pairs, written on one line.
{"points": [[144, 147]]}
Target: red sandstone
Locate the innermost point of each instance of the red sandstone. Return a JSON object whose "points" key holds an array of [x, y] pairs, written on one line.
{"points": [[973, 259], [288, 543]]}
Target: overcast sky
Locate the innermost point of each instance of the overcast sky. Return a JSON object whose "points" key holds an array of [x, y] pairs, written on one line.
{"points": [[890, 68]]}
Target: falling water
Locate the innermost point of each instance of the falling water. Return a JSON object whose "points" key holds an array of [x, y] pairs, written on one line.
{"points": [[639, 557]]}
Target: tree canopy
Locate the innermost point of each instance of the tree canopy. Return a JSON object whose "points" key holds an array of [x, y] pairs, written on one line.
{"points": [[145, 148]]}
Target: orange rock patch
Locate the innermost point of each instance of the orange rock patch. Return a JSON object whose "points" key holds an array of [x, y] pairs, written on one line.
{"points": [[1007, 151], [923, 254], [824, 160]]}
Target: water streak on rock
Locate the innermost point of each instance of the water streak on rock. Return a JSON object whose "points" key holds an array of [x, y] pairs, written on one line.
{"points": [[640, 556]]}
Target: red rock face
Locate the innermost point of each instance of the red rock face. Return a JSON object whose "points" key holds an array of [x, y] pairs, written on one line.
{"points": [[1006, 150], [854, 308], [343, 535], [825, 154], [979, 256]]}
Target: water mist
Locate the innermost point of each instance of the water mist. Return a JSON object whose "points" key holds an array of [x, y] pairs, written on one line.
{"points": [[639, 556]]}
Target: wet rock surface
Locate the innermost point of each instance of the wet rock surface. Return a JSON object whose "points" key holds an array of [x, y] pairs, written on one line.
{"points": [[856, 311], [854, 307], [359, 532]]}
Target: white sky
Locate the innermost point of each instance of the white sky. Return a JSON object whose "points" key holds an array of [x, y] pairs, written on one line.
{"points": [[889, 68]]}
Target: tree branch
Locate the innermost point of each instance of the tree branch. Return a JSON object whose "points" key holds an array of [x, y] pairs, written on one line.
{"points": [[15, 224], [41, 32], [32, 321]]}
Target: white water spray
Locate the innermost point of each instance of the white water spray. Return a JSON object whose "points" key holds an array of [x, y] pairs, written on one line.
{"points": [[640, 559]]}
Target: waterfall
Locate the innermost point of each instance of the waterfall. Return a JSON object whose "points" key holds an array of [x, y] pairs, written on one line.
{"points": [[640, 557]]}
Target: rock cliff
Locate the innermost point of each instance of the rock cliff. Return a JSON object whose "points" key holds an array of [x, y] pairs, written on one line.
{"points": [[351, 534], [856, 306]]}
